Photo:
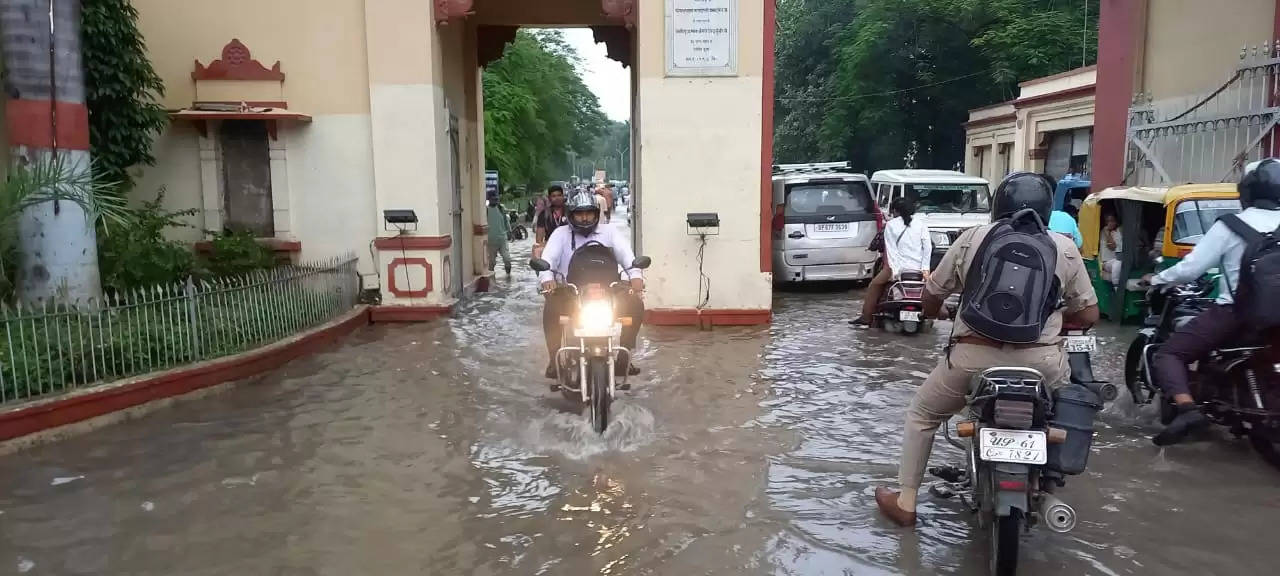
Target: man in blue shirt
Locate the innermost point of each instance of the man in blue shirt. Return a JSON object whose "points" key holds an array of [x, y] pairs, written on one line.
{"points": [[1064, 224]]}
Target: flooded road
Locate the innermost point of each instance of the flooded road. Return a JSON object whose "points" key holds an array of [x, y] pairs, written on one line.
{"points": [[437, 449]]}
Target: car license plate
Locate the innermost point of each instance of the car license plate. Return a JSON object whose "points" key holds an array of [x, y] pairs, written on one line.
{"points": [[1087, 344], [909, 315], [841, 227], [1017, 446]]}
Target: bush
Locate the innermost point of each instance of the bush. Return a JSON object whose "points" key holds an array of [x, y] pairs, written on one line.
{"points": [[138, 255], [234, 253]]}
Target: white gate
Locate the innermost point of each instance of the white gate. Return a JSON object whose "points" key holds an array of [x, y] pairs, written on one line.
{"points": [[1207, 138]]}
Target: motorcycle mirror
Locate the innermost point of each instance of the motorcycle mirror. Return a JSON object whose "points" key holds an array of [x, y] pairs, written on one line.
{"points": [[539, 265], [642, 262]]}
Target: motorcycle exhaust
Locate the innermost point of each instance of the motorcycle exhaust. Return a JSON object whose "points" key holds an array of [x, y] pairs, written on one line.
{"points": [[1057, 515]]}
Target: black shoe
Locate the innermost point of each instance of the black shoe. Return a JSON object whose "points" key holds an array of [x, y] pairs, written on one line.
{"points": [[860, 323], [626, 369], [508, 270], [1189, 418]]}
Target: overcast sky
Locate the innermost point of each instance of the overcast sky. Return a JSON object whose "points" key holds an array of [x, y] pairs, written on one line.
{"points": [[607, 78]]}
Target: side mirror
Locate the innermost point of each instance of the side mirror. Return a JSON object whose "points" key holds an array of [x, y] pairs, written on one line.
{"points": [[642, 262], [539, 265]]}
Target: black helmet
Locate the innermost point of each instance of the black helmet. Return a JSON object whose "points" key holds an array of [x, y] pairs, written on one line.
{"points": [[584, 202], [1024, 190], [1260, 186]]}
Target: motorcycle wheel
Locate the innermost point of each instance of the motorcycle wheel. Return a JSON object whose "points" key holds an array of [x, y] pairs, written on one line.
{"points": [[598, 375], [910, 327], [1005, 534], [1267, 449], [1134, 378]]}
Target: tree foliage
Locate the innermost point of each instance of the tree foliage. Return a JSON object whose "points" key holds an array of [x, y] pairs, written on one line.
{"points": [[869, 80], [122, 90], [537, 110]]}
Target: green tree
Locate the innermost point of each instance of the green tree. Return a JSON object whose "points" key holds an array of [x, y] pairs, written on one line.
{"points": [[122, 90], [866, 80], [538, 112]]}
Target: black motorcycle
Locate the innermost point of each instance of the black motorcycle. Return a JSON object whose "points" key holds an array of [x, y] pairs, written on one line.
{"points": [[901, 309], [1021, 442], [589, 348], [516, 231], [1237, 387]]}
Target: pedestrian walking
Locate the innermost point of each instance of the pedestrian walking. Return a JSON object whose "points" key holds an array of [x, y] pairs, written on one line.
{"points": [[499, 228]]}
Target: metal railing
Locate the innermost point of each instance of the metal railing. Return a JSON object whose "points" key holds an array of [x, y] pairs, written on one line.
{"points": [[1210, 137], [51, 349]]}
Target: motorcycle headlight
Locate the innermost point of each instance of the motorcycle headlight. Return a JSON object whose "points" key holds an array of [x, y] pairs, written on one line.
{"points": [[596, 315], [940, 239]]}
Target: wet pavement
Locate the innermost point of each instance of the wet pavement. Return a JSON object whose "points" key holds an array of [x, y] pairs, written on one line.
{"points": [[437, 449]]}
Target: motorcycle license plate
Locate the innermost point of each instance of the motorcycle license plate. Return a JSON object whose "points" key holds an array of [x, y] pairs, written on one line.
{"points": [[909, 315], [1087, 344], [1017, 446]]}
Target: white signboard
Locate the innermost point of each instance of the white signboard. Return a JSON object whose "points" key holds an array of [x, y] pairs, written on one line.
{"points": [[702, 37]]}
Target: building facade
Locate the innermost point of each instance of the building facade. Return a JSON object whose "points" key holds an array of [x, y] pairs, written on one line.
{"points": [[307, 120], [1048, 129]]}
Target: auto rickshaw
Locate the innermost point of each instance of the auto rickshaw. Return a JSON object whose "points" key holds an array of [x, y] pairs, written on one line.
{"points": [[1070, 193], [1159, 226]]}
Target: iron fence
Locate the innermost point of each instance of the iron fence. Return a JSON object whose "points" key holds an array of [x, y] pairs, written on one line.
{"points": [[51, 349]]}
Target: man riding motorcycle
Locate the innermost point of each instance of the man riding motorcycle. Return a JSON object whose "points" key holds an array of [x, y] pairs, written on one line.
{"points": [[969, 353], [584, 230], [1219, 323]]}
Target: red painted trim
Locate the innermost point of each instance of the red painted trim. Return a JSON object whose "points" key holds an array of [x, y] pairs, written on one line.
{"points": [[380, 314], [1001, 119], [39, 416], [1060, 96], [394, 288], [236, 64], [480, 229], [707, 318], [275, 244], [766, 137], [30, 124], [1117, 23], [413, 242], [1043, 79]]}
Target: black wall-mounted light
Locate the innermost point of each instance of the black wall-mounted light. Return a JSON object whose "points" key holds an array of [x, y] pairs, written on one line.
{"points": [[400, 220]]}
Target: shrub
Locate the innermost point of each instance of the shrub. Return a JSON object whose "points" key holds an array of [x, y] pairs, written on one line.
{"points": [[234, 253], [139, 255]]}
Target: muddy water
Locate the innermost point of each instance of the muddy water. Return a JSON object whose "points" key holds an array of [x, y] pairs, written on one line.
{"points": [[437, 449]]}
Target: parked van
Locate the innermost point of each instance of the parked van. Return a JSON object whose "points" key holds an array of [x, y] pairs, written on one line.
{"points": [[824, 220], [948, 201]]}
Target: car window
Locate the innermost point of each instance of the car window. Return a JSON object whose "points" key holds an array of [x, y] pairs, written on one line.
{"points": [[950, 198], [828, 198], [1192, 218]]}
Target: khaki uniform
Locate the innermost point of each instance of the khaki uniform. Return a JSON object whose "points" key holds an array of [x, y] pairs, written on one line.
{"points": [[943, 392]]}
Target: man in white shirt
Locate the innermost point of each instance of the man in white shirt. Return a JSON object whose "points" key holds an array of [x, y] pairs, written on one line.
{"points": [[907, 247], [1221, 248], [584, 234]]}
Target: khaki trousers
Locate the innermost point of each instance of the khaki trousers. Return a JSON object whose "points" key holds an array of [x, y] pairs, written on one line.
{"points": [[943, 394]]}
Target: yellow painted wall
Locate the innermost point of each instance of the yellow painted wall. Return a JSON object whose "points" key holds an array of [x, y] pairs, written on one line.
{"points": [[1193, 45], [700, 143], [320, 44], [177, 173]]}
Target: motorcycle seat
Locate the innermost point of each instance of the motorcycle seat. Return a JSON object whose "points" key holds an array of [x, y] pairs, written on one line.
{"points": [[911, 276]]}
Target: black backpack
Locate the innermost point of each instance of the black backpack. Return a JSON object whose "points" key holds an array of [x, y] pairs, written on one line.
{"points": [[593, 263], [1259, 273], [1011, 287]]}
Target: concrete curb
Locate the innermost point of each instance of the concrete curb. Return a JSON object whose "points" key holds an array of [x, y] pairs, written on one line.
{"points": [[52, 418]]}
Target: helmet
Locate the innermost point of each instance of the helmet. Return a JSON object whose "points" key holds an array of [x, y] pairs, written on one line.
{"points": [[1261, 185], [1024, 190], [584, 202]]}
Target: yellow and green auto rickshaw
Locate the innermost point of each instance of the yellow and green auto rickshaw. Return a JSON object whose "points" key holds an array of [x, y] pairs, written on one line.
{"points": [[1156, 227]]}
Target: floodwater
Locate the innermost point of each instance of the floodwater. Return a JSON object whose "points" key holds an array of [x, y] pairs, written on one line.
{"points": [[437, 449]]}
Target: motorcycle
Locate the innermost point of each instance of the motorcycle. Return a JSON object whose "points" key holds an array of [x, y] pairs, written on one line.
{"points": [[901, 309], [1236, 387], [589, 348], [1021, 441], [517, 231]]}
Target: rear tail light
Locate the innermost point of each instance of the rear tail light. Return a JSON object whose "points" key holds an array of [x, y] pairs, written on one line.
{"points": [[879, 217], [1012, 485], [778, 220]]}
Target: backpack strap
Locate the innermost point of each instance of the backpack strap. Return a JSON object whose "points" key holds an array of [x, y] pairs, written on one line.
{"points": [[1241, 228]]}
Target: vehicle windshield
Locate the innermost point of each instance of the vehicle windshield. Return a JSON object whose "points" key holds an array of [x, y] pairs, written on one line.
{"points": [[1194, 217], [825, 198], [950, 198]]}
